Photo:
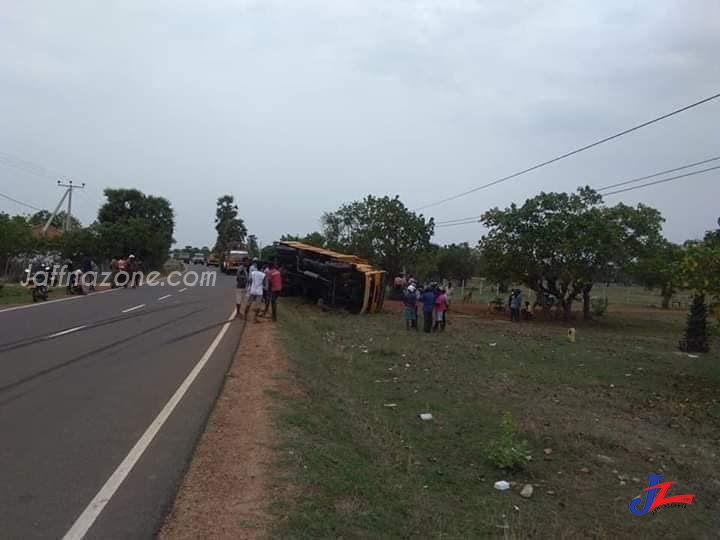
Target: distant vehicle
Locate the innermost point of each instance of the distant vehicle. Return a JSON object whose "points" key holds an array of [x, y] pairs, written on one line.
{"points": [[231, 261], [184, 257], [198, 258], [213, 259]]}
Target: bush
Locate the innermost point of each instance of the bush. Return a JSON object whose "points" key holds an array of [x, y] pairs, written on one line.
{"points": [[598, 306], [696, 331], [508, 452]]}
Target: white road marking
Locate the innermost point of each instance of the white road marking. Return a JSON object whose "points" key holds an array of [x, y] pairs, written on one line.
{"points": [[92, 511], [68, 331], [185, 289], [26, 306], [164, 297], [128, 310]]}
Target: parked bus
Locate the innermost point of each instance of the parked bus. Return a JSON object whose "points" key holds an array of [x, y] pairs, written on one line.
{"points": [[331, 278]]}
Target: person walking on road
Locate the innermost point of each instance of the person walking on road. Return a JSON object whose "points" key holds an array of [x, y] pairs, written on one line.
{"points": [[274, 287], [255, 294], [241, 284]]}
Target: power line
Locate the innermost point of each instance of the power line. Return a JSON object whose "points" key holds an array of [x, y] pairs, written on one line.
{"points": [[625, 182], [25, 166], [8, 197], [662, 181], [571, 153], [468, 222], [641, 178]]}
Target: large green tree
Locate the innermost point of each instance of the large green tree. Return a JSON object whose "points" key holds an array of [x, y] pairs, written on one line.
{"points": [[132, 222], [231, 230], [380, 229], [562, 243], [41, 218], [659, 268]]}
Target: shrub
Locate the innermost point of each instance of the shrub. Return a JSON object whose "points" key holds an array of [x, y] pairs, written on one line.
{"points": [[598, 306], [696, 331], [508, 452]]}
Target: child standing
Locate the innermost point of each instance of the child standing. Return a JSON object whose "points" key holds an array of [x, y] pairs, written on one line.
{"points": [[441, 305]]}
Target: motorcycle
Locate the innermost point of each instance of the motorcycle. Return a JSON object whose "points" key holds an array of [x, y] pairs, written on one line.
{"points": [[38, 283], [75, 283]]}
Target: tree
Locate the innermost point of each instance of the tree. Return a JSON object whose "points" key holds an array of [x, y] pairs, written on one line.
{"points": [[562, 243], [41, 218], [252, 246], [231, 230], [132, 222], [314, 239], [15, 238], [700, 272], [659, 268], [457, 261], [380, 229]]}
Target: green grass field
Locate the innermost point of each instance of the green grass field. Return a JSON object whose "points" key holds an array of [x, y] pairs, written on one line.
{"points": [[617, 295], [361, 468]]}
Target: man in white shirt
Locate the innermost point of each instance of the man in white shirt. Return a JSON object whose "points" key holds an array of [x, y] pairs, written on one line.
{"points": [[256, 284]]}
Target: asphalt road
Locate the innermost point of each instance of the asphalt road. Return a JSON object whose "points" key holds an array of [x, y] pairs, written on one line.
{"points": [[80, 383]]}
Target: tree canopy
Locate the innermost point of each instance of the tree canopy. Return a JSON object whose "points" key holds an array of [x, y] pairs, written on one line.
{"points": [[562, 243], [314, 239], [41, 218], [659, 268], [457, 261], [380, 229], [231, 230], [132, 222]]}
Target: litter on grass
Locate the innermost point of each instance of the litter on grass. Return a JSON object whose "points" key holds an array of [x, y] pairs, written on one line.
{"points": [[502, 485], [426, 416]]}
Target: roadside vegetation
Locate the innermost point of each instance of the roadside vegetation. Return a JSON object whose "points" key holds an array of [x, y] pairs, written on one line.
{"points": [[595, 418]]}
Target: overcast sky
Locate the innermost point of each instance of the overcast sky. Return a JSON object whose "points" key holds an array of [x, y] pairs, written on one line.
{"points": [[298, 106]]}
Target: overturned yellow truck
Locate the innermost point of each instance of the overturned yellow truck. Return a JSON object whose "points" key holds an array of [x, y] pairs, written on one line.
{"points": [[330, 278]]}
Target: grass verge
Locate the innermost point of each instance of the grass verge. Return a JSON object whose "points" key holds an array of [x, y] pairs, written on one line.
{"points": [[597, 416]]}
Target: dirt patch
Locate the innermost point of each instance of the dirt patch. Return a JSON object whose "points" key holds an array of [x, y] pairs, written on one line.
{"points": [[228, 490]]}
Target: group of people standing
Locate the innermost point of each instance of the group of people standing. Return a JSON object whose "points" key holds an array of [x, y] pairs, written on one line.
{"points": [[131, 266], [435, 301], [258, 288]]}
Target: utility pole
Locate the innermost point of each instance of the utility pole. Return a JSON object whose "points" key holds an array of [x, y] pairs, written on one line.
{"points": [[70, 186]]}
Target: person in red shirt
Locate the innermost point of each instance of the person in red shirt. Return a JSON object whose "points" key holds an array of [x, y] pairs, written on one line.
{"points": [[274, 277], [441, 306]]}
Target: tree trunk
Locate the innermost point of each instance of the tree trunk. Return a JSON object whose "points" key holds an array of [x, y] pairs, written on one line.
{"points": [[586, 304], [667, 294], [567, 309]]}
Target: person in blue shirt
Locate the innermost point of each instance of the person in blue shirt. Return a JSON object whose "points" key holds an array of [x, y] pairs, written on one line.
{"points": [[428, 300]]}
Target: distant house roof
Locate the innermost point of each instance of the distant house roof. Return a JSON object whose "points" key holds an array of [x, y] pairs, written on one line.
{"points": [[52, 231]]}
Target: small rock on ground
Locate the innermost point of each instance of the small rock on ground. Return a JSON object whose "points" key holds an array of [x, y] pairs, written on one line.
{"points": [[527, 491]]}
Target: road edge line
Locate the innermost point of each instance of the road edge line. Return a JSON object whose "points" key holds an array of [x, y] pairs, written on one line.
{"points": [[87, 518], [46, 302]]}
